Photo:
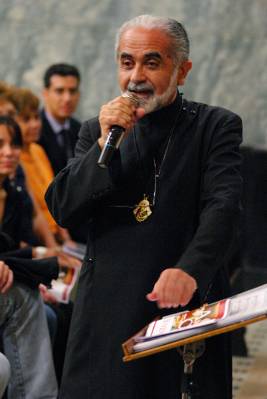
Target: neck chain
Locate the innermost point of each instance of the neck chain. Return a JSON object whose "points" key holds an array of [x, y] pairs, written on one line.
{"points": [[143, 209]]}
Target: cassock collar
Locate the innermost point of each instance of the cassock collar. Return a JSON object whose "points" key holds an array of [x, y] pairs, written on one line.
{"points": [[155, 128]]}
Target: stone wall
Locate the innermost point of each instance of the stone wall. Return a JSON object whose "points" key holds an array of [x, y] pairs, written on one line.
{"points": [[228, 49]]}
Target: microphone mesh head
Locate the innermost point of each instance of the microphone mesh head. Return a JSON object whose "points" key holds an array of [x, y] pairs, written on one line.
{"points": [[137, 101]]}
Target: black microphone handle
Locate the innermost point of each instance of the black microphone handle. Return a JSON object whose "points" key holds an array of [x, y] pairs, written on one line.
{"points": [[113, 141]]}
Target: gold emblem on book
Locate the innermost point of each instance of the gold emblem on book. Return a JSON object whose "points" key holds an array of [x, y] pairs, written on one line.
{"points": [[142, 211]]}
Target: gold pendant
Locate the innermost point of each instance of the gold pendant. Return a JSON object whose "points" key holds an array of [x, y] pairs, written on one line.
{"points": [[142, 211]]}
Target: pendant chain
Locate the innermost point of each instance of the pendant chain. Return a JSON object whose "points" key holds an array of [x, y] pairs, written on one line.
{"points": [[157, 170], [142, 210]]}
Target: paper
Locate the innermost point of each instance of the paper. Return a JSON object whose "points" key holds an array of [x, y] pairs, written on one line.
{"points": [[206, 315], [77, 250], [62, 287], [241, 307]]}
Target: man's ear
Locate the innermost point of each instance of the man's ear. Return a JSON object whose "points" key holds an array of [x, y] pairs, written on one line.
{"points": [[183, 71]]}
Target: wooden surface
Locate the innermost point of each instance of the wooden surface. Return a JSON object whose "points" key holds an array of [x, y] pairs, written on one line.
{"points": [[130, 355]]}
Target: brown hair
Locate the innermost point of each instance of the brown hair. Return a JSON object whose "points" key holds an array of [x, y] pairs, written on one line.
{"points": [[26, 101], [7, 94], [13, 130]]}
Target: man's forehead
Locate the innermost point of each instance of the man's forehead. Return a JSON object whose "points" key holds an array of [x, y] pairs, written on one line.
{"points": [[63, 81], [144, 42]]}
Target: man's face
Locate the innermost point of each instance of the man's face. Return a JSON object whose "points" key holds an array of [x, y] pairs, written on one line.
{"points": [[62, 96], [146, 67]]}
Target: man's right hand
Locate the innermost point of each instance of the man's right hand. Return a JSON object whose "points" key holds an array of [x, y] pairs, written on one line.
{"points": [[121, 112], [6, 278]]}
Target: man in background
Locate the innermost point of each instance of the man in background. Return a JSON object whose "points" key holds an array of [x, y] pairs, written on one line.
{"points": [[59, 129]]}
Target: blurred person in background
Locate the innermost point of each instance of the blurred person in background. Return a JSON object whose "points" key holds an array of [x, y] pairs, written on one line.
{"points": [[14, 220], [25, 334], [36, 165], [59, 131], [43, 235]]}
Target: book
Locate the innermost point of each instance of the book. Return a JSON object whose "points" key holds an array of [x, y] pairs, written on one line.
{"points": [[63, 286], [238, 308], [77, 250], [203, 316]]}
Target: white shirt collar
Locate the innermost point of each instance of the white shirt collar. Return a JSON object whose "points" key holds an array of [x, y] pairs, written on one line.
{"points": [[56, 126]]}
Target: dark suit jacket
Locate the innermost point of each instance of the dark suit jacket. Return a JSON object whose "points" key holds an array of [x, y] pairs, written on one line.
{"points": [[55, 153]]}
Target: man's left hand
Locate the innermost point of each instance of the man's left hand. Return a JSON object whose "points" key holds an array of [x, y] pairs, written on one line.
{"points": [[174, 288]]}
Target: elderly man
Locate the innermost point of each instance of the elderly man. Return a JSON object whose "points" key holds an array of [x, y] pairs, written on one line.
{"points": [[163, 220]]}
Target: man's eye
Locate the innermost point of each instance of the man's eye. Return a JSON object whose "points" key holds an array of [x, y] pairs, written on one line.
{"points": [[152, 64], [126, 64], [73, 91]]}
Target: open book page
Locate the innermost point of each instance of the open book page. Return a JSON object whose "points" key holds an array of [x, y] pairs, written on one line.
{"points": [[62, 287], [207, 314], [246, 305], [243, 306]]}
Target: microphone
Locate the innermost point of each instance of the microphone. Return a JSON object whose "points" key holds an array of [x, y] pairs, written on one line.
{"points": [[115, 137]]}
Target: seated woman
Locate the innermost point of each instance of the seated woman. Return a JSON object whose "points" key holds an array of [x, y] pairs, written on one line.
{"points": [[34, 161], [42, 233]]}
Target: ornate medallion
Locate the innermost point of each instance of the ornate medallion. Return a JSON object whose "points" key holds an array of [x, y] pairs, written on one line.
{"points": [[142, 211]]}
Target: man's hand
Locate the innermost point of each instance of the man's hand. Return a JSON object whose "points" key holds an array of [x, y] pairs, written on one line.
{"points": [[47, 296], [65, 260], [6, 278], [121, 112], [173, 288]]}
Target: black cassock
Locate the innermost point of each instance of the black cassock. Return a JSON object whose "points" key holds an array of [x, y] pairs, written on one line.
{"points": [[193, 226]]}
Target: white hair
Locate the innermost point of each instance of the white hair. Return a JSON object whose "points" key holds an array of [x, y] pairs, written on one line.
{"points": [[179, 40]]}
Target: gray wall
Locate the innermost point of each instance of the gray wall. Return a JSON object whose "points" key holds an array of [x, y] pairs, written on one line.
{"points": [[228, 42]]}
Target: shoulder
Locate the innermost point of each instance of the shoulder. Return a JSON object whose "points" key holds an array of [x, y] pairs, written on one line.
{"points": [[75, 123], [40, 157], [44, 118], [213, 115], [37, 149], [14, 192], [90, 127], [46, 129], [88, 135]]}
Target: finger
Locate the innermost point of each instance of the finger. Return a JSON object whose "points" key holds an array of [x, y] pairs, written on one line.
{"points": [[168, 294], [9, 282], [187, 294], [140, 112], [2, 267], [152, 296], [4, 276]]}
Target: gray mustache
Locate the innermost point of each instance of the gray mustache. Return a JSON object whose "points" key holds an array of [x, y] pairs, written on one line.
{"points": [[139, 87]]}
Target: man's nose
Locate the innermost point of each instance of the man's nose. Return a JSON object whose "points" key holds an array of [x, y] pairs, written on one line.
{"points": [[67, 95], [138, 74]]}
